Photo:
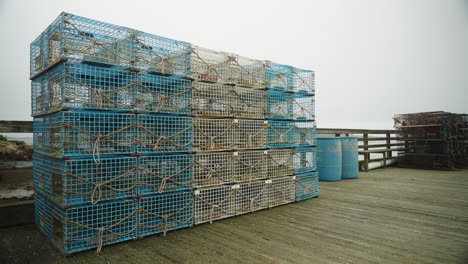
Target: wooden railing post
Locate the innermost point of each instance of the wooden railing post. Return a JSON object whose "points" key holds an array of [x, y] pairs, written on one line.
{"points": [[366, 155], [389, 154]]}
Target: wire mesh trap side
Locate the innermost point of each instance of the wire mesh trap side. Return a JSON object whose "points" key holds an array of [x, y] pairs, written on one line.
{"points": [[247, 166], [278, 162], [165, 173], [305, 159], [307, 186], [305, 134], [279, 105], [250, 134], [212, 168], [213, 134], [289, 79], [303, 108], [85, 227], [226, 68], [80, 181], [81, 86], [212, 100], [84, 134], [89, 41], [165, 212], [249, 103], [214, 203], [277, 76], [303, 81], [252, 196], [281, 191], [281, 134], [163, 134]]}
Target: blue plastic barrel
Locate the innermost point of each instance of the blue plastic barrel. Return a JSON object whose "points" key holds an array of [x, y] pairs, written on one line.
{"points": [[329, 160], [350, 163]]}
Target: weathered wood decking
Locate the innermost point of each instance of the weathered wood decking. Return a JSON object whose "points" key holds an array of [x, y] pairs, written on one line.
{"points": [[387, 216]]}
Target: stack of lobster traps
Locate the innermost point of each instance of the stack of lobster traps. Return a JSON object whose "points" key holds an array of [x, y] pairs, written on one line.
{"points": [[254, 134], [136, 134], [433, 140]]}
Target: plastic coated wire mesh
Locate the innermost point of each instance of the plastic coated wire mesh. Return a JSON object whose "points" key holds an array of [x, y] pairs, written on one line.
{"points": [[213, 203], [218, 100], [305, 159], [165, 173], [305, 134], [303, 108], [213, 134], [80, 181], [307, 185], [279, 162], [165, 212], [82, 86], [212, 100], [232, 167], [281, 134], [78, 228], [286, 78], [82, 39], [84, 134], [226, 68], [279, 105], [250, 134], [252, 196], [249, 103], [281, 191], [248, 166], [228, 134], [212, 168], [159, 134]]}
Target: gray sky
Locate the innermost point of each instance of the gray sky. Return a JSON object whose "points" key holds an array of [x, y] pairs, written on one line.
{"points": [[372, 58]]}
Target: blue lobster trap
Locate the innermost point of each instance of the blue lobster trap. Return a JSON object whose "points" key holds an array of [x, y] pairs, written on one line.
{"points": [[307, 185], [164, 212], [162, 94], [277, 76], [163, 134], [72, 37], [305, 159], [289, 79], [305, 134], [84, 134], [281, 134], [303, 107], [165, 173], [88, 226], [280, 105], [80, 181]]}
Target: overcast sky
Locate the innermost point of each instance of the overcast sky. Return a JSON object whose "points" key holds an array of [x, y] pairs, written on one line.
{"points": [[372, 58]]}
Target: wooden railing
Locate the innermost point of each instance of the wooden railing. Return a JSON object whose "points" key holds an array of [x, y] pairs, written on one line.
{"points": [[365, 137]]}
